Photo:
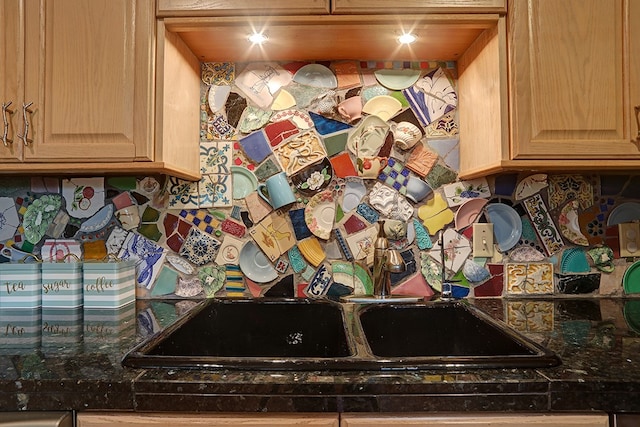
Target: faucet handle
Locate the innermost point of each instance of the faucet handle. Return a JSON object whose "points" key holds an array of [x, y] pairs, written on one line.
{"points": [[394, 262]]}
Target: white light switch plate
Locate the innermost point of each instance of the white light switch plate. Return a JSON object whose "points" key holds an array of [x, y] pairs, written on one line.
{"points": [[629, 233], [482, 240]]}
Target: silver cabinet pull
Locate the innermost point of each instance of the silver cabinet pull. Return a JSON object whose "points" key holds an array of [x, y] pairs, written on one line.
{"points": [[5, 134], [25, 116]]}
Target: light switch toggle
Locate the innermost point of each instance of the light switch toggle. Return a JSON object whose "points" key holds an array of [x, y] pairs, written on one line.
{"points": [[482, 240]]}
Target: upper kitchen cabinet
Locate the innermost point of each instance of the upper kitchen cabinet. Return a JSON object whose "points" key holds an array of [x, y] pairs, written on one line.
{"points": [[241, 7], [82, 90], [574, 79], [418, 6]]}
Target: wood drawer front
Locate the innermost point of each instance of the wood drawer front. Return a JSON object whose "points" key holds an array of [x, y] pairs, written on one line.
{"points": [[241, 7]]}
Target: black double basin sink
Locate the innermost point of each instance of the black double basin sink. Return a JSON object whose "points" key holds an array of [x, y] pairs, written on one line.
{"points": [[300, 334]]}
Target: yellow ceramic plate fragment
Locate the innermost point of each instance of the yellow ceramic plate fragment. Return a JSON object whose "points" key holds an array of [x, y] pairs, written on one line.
{"points": [[435, 214]]}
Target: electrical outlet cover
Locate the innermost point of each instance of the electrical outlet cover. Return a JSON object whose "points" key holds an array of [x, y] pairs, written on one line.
{"points": [[629, 239]]}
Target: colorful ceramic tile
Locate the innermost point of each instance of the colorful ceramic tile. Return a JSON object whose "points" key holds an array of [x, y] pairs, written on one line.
{"points": [[298, 263], [320, 283], [84, 196], [233, 228], [444, 127], [274, 235], [494, 286], [182, 194], [165, 283], [216, 127], [189, 288], [395, 175], [200, 248], [529, 278], [421, 160], [335, 143], [258, 208], [569, 225], [347, 74], [215, 190], [201, 219], [266, 169], [218, 73], [569, 187], [300, 227], [229, 252], [216, 157], [435, 214], [530, 316], [147, 255], [279, 131], [253, 118], [343, 166], [176, 231], [344, 247], [448, 150], [422, 235], [354, 224], [530, 185], [459, 192], [255, 146], [440, 175], [326, 126], [300, 151], [544, 225]]}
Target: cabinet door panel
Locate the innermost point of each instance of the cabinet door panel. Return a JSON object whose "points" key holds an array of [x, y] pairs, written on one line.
{"points": [[569, 77], [241, 7], [88, 74], [11, 61], [419, 6]]}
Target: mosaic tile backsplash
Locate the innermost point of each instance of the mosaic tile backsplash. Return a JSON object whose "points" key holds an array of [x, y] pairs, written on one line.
{"points": [[301, 164]]}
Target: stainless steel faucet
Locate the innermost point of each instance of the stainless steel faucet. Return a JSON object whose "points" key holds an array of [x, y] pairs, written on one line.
{"points": [[385, 262]]}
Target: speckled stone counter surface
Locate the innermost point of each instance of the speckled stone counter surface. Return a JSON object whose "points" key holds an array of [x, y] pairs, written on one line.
{"points": [[78, 367]]}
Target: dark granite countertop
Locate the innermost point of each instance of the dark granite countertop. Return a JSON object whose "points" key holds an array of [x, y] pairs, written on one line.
{"points": [[51, 361]]}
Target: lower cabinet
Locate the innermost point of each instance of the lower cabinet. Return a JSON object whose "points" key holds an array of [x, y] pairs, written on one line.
{"points": [[209, 420], [475, 420]]}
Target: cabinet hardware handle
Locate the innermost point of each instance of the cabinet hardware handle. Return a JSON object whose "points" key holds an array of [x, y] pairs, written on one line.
{"points": [[25, 116], [5, 135], [637, 110]]}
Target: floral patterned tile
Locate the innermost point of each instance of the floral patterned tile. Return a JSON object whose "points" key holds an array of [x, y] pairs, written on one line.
{"points": [[568, 187], [215, 191], [529, 278], [457, 249], [216, 157], [182, 194], [84, 196]]}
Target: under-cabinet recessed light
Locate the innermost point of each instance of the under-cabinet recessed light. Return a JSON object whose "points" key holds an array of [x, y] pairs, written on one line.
{"points": [[258, 38], [407, 38]]}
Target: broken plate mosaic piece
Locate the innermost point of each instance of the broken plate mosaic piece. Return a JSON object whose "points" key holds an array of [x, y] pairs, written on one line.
{"points": [[568, 223], [147, 255], [390, 202], [255, 265], [259, 81], [299, 152], [9, 221], [544, 225], [435, 214], [457, 249], [569, 187], [530, 186], [39, 215], [320, 214], [459, 192], [84, 196]]}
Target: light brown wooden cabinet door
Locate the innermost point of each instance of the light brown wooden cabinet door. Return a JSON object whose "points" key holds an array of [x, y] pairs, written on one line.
{"points": [[10, 79], [241, 7], [418, 6], [476, 420], [208, 420], [573, 76], [88, 74]]}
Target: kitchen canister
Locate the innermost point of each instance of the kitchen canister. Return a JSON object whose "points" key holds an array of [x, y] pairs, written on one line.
{"points": [[62, 284], [108, 284], [61, 329], [20, 285]]}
